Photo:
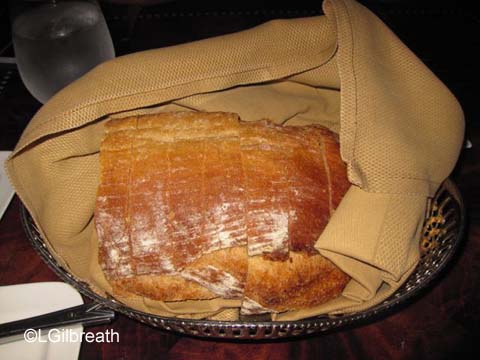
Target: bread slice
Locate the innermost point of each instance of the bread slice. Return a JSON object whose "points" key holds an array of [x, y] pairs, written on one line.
{"points": [[196, 205]]}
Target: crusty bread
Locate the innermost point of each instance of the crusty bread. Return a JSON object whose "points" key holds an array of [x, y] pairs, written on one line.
{"points": [[198, 205]]}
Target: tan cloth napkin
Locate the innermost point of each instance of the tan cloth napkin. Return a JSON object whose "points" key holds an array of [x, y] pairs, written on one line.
{"points": [[400, 129]]}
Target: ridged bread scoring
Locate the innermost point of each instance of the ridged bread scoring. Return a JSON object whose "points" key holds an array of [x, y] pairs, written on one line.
{"points": [[195, 205]]}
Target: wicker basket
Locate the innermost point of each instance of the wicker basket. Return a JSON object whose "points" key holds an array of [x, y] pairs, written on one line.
{"points": [[442, 234]]}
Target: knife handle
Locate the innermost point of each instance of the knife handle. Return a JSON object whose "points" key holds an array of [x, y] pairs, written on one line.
{"points": [[85, 314]]}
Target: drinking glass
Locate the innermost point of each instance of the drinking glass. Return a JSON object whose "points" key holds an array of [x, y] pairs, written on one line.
{"points": [[56, 42]]}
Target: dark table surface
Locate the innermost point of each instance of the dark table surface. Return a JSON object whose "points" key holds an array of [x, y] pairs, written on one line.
{"points": [[442, 323]]}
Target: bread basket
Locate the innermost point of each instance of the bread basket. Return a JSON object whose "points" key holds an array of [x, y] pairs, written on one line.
{"points": [[443, 229]]}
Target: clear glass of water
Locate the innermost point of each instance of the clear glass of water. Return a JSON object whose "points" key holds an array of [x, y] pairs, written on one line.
{"points": [[56, 42]]}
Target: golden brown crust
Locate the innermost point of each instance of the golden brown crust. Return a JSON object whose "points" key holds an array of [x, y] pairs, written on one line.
{"points": [[300, 282], [202, 205], [161, 287], [176, 288], [318, 179]]}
